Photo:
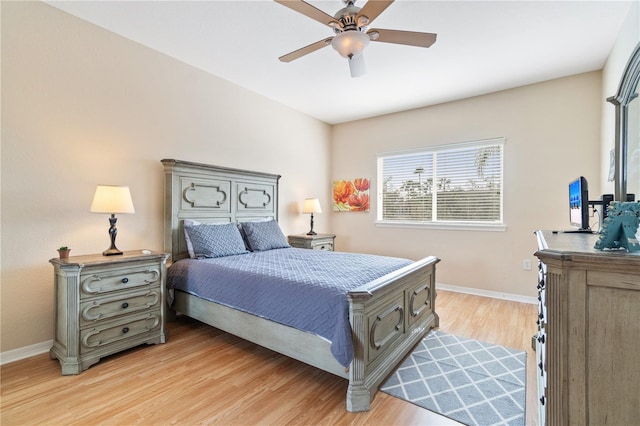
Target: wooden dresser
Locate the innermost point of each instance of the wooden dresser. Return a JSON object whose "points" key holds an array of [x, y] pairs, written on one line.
{"points": [[105, 304], [588, 342]]}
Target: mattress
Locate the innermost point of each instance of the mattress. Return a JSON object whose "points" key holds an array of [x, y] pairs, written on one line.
{"points": [[305, 289]]}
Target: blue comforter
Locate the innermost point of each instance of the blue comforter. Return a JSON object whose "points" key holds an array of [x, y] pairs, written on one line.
{"points": [[305, 289]]}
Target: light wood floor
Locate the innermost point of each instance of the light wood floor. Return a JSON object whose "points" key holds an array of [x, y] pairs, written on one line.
{"points": [[205, 376]]}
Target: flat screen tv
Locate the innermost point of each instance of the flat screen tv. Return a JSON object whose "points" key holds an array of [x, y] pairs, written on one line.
{"points": [[579, 205]]}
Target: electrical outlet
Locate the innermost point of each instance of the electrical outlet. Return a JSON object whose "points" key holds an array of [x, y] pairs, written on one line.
{"points": [[526, 265]]}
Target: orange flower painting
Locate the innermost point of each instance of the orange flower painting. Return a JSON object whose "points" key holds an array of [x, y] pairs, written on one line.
{"points": [[351, 195]]}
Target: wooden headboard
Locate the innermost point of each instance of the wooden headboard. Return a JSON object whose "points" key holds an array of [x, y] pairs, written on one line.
{"points": [[207, 194]]}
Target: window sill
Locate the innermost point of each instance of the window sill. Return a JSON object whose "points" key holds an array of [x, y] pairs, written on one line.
{"points": [[449, 226]]}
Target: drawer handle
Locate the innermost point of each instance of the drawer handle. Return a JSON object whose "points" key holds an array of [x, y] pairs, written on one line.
{"points": [[542, 399], [541, 339], [125, 305], [125, 330], [125, 280]]}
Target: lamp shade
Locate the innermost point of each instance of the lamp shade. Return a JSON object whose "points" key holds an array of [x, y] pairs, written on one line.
{"points": [[112, 199], [311, 205], [350, 44]]}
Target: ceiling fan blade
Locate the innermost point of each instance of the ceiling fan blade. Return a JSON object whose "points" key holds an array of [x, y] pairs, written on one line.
{"points": [[357, 66], [373, 8], [306, 50], [308, 10], [411, 38]]}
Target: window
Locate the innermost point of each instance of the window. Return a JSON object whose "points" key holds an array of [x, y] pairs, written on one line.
{"points": [[457, 185]]}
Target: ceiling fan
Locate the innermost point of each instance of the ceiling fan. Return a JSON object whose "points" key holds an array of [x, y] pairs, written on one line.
{"points": [[352, 34]]}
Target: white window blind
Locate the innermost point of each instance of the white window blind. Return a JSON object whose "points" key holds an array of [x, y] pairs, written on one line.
{"points": [[453, 184]]}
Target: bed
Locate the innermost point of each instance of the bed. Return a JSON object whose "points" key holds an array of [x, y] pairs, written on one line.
{"points": [[386, 316]]}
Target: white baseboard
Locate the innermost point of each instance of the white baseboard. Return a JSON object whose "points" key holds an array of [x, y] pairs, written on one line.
{"points": [[487, 293], [25, 352], [43, 347]]}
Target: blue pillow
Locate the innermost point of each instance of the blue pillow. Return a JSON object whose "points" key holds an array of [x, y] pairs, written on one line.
{"points": [[215, 240], [261, 236], [187, 240]]}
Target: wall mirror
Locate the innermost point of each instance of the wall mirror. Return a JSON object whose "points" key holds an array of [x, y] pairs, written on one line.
{"points": [[633, 148], [627, 128]]}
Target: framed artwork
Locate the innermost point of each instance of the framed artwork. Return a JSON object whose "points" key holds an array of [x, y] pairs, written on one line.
{"points": [[351, 195]]}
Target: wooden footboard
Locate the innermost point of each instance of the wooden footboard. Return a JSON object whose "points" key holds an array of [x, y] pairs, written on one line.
{"points": [[388, 317]]}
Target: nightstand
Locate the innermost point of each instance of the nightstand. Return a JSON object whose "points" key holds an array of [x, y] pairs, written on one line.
{"points": [[105, 304], [314, 242]]}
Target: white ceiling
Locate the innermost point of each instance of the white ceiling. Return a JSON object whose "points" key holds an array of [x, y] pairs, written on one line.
{"points": [[482, 47]]}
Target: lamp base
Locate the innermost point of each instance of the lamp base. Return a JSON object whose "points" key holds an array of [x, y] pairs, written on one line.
{"points": [[111, 252], [113, 232], [311, 231]]}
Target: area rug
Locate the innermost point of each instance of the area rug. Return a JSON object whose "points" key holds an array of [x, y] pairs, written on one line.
{"points": [[469, 381]]}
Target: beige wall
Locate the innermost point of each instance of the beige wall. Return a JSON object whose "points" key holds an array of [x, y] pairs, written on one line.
{"points": [[82, 106], [552, 136], [626, 41]]}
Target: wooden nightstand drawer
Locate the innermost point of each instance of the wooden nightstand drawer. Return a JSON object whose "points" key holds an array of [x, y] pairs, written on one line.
{"points": [[100, 309], [101, 281], [323, 246], [108, 333]]}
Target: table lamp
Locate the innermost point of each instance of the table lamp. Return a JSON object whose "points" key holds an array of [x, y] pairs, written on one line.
{"points": [[311, 205], [112, 199]]}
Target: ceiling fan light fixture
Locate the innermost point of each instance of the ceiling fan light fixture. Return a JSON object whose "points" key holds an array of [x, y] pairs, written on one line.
{"points": [[350, 44], [357, 66], [352, 34]]}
